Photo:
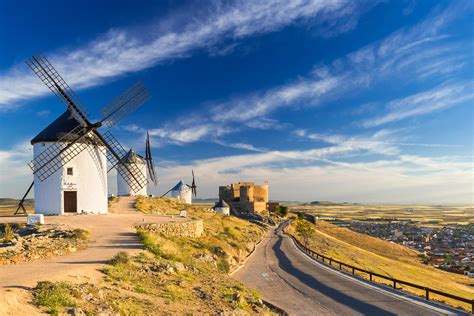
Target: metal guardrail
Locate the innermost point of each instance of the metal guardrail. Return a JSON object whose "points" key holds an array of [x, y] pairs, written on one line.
{"points": [[331, 261]]}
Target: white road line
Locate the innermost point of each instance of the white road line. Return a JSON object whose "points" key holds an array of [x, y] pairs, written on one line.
{"points": [[399, 296]]}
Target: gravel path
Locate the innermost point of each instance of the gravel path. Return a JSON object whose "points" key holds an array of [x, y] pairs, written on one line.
{"points": [[109, 234]]}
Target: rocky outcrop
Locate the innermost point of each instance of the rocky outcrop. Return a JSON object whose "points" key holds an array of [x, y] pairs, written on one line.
{"points": [[41, 241], [192, 229]]}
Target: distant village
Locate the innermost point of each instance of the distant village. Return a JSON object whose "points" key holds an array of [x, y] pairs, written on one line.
{"points": [[450, 247]]}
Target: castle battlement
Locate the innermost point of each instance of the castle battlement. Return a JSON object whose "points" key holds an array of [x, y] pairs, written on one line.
{"points": [[245, 196]]}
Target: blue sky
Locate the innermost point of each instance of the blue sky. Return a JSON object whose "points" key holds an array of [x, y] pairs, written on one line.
{"points": [[326, 100]]}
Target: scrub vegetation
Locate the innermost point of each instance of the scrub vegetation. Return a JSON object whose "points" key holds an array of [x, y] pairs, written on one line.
{"points": [[22, 243], [386, 258], [174, 275]]}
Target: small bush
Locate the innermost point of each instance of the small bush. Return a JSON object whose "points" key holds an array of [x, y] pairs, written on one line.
{"points": [[54, 296], [283, 211], [8, 233], [81, 234], [223, 265], [120, 258]]}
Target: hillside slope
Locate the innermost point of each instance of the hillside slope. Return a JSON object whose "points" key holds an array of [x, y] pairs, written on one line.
{"points": [[385, 258], [174, 275]]}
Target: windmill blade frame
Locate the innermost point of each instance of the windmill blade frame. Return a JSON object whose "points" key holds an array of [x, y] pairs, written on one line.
{"points": [[53, 80], [149, 160], [193, 185], [61, 152], [129, 172], [74, 142], [120, 107]]}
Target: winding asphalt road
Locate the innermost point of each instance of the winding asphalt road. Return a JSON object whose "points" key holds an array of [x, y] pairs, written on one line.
{"points": [[291, 280]]}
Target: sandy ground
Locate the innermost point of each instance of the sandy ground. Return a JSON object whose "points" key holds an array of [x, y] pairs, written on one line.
{"points": [[109, 234]]}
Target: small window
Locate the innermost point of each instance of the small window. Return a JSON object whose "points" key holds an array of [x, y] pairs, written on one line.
{"points": [[69, 171]]}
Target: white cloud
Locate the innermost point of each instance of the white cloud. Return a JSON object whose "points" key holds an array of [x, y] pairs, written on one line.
{"points": [[425, 102], [119, 51], [417, 53], [15, 175], [253, 106], [404, 53], [391, 181]]}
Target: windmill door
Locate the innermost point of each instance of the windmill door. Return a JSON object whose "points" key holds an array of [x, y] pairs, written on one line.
{"points": [[70, 201]]}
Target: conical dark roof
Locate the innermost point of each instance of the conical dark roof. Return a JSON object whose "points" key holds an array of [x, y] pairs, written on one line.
{"points": [[181, 185], [54, 131], [221, 203], [132, 157]]}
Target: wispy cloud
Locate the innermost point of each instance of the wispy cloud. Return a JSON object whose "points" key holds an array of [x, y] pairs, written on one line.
{"points": [[415, 54], [425, 102], [250, 107], [408, 179], [382, 138], [121, 51]]}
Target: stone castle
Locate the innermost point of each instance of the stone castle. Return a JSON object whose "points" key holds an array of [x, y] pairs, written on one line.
{"points": [[246, 197]]}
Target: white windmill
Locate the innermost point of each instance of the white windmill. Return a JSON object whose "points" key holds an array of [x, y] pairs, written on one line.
{"points": [[132, 158], [183, 191], [69, 164]]}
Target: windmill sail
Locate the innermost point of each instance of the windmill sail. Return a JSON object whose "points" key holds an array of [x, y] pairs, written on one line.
{"points": [[85, 133], [61, 152], [193, 185], [129, 172], [149, 160], [124, 104], [53, 80]]}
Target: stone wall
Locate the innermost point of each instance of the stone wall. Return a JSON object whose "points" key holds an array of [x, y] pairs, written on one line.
{"points": [[192, 229], [260, 193]]}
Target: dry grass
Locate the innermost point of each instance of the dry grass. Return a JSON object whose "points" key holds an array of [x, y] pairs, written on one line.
{"points": [[426, 215], [176, 275], [388, 259]]}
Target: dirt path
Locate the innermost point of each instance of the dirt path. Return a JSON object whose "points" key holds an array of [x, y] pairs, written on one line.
{"points": [[109, 234]]}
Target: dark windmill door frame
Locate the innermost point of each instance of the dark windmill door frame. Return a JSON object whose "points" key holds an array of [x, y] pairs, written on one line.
{"points": [[70, 201]]}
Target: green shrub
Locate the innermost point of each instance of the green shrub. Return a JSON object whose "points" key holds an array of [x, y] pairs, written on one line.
{"points": [[283, 211], [54, 296], [120, 258], [8, 233], [223, 265]]}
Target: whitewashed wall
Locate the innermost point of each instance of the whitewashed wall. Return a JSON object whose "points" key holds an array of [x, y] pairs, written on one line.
{"points": [[184, 195], [89, 179], [124, 189], [222, 210]]}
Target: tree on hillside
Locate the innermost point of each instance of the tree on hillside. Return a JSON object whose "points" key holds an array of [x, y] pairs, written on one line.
{"points": [[283, 211], [305, 230]]}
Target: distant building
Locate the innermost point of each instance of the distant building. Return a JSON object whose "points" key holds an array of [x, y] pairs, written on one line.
{"points": [[133, 160], [222, 207], [183, 192], [245, 197]]}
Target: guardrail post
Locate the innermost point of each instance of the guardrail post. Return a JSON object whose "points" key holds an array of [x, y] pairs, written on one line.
{"points": [[340, 266], [353, 271], [394, 284], [330, 262], [427, 295], [370, 277]]}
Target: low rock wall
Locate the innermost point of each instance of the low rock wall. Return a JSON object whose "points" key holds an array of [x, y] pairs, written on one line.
{"points": [[191, 229]]}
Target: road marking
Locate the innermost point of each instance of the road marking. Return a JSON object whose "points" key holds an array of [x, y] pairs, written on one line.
{"points": [[371, 286]]}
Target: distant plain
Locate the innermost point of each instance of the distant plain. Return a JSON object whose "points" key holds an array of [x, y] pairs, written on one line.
{"points": [[424, 215]]}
